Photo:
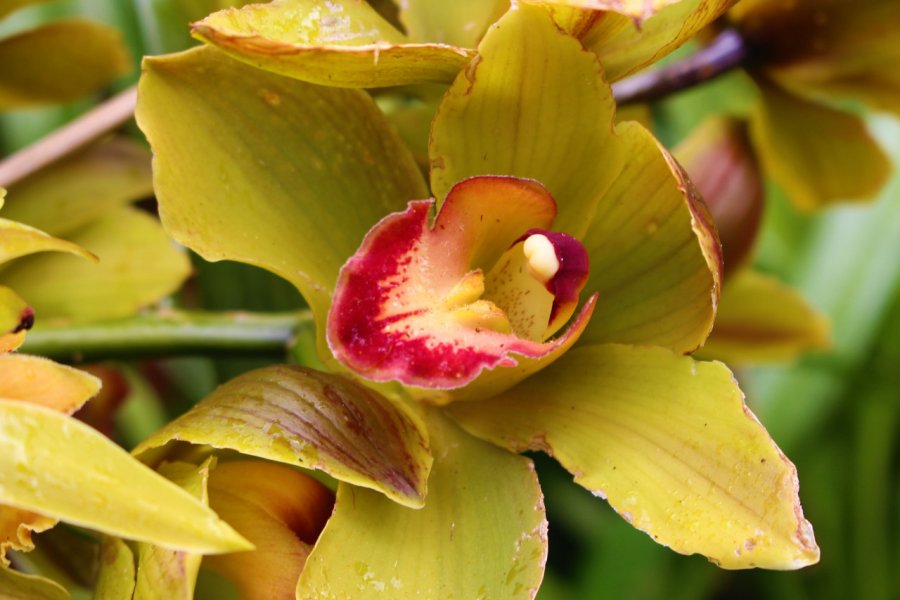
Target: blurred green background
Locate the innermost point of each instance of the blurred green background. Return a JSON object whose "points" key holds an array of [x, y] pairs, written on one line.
{"points": [[834, 414]]}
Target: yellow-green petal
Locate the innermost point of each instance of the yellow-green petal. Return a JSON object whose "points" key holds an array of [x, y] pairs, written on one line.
{"points": [[534, 104], [262, 169], [115, 577], [41, 381], [461, 23], [18, 586], [163, 573], [481, 534], [139, 265], [655, 258], [58, 62], [56, 465], [761, 320], [671, 445], [819, 155], [638, 10], [18, 240], [69, 194], [342, 43], [310, 419], [15, 318]]}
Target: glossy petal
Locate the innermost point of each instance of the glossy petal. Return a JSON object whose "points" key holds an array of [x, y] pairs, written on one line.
{"points": [[461, 23], [669, 442], [212, 123], [18, 586], [819, 155], [69, 194], [16, 527], [39, 471], [18, 240], [281, 511], [342, 43], [16, 317], [414, 304], [162, 573], [557, 127], [41, 381], [139, 265], [58, 62], [115, 578], [760, 319], [655, 258], [315, 420], [482, 532]]}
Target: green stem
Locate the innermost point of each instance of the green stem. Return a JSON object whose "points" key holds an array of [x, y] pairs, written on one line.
{"points": [[171, 333]]}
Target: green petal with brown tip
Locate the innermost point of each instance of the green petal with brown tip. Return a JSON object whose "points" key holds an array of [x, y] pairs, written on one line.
{"points": [[58, 62], [655, 258], [60, 467], [762, 320], [239, 150], [556, 127], [16, 317], [19, 586], [819, 155], [669, 443], [310, 419], [481, 534], [342, 43]]}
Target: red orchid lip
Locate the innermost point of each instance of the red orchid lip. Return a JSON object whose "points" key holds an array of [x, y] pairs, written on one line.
{"points": [[436, 306]]}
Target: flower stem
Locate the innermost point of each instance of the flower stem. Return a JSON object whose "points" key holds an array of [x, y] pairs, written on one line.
{"points": [[727, 51], [171, 333]]}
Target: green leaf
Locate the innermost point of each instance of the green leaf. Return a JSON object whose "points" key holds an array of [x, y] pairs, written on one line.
{"points": [[481, 534], [78, 190], [41, 381], [655, 258], [18, 586], [56, 465], [342, 43], [315, 420], [669, 442], [557, 127], [115, 579], [58, 62], [261, 169], [461, 23], [138, 266]]}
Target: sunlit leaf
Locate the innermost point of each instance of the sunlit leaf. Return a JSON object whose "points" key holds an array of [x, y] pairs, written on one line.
{"points": [[41, 381], [481, 534], [139, 265], [16, 527], [115, 577], [669, 442], [39, 470], [819, 155], [214, 123], [556, 128], [69, 194], [761, 319], [332, 42], [18, 586], [58, 62], [655, 259], [460, 23], [311, 419]]}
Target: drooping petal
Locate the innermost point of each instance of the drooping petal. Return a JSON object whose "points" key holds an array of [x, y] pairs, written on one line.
{"points": [[72, 193], [245, 167], [413, 304], [461, 23], [315, 420], [18, 586], [163, 573], [669, 442], [482, 532], [58, 62], [655, 258], [819, 155], [99, 486], [16, 527], [139, 265], [41, 381], [18, 240], [556, 127], [761, 319], [116, 573], [16, 317], [343, 43], [281, 511]]}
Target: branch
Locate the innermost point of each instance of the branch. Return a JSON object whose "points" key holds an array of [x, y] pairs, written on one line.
{"points": [[725, 53], [171, 333]]}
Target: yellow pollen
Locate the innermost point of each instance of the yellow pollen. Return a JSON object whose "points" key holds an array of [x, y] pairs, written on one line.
{"points": [[541, 255]]}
